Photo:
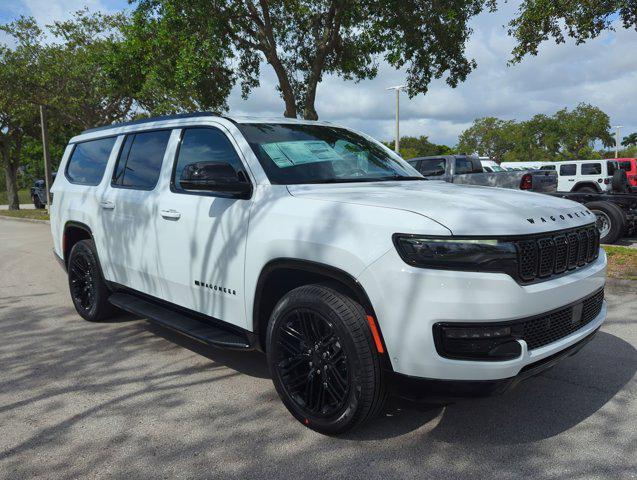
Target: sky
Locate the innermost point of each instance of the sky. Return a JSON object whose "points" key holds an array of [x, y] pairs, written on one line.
{"points": [[602, 72]]}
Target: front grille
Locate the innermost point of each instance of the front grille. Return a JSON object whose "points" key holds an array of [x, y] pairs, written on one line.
{"points": [[545, 329], [543, 256]]}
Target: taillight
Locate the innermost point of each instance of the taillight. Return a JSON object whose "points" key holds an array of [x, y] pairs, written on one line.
{"points": [[527, 182]]}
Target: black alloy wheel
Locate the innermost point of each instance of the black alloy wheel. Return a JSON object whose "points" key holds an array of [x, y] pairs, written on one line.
{"points": [[312, 363], [324, 362], [86, 283], [82, 281]]}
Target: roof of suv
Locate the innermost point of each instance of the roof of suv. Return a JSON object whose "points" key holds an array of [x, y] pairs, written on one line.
{"points": [[232, 118]]}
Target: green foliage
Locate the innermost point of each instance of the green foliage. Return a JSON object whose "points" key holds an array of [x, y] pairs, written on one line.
{"points": [[188, 54], [566, 135], [630, 140], [411, 147], [539, 20], [70, 75]]}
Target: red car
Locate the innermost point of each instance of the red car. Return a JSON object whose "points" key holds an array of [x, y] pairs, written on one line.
{"points": [[629, 165]]}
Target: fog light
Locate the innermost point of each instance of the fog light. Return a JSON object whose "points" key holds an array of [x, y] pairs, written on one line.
{"points": [[485, 332], [475, 342]]}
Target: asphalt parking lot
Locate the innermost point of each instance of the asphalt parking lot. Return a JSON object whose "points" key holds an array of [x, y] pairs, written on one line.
{"points": [[125, 399]]}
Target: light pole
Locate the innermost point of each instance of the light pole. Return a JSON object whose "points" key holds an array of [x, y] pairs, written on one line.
{"points": [[617, 129], [397, 142]]}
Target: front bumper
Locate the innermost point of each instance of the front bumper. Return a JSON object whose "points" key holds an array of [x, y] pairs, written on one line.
{"points": [[420, 389], [409, 301]]}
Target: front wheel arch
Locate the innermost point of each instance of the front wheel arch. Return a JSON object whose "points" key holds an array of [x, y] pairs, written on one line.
{"points": [[299, 273]]}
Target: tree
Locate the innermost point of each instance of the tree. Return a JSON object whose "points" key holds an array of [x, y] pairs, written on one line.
{"points": [[18, 117], [411, 147], [489, 137], [539, 20], [630, 140], [190, 53], [566, 135]]}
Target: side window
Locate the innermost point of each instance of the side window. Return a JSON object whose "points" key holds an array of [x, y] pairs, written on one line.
{"points": [[206, 152], [591, 168], [463, 165], [432, 167], [140, 160], [567, 170], [88, 161], [547, 167]]}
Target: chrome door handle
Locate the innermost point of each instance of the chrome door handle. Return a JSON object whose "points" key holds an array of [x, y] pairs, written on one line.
{"points": [[107, 205], [170, 214]]}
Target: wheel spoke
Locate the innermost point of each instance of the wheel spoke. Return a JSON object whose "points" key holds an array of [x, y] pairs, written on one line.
{"points": [[311, 363]]}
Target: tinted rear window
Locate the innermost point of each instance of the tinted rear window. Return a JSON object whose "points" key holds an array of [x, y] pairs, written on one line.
{"points": [[140, 160], [591, 168], [88, 161], [567, 170]]}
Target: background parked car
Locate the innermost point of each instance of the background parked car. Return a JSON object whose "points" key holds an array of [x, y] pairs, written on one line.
{"points": [[583, 176], [628, 165], [466, 169], [38, 194]]}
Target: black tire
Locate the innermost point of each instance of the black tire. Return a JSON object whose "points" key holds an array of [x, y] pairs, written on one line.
{"points": [[86, 283], [346, 352], [587, 190], [610, 213]]}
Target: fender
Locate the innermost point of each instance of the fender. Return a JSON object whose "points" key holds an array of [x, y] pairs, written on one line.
{"points": [[308, 266]]}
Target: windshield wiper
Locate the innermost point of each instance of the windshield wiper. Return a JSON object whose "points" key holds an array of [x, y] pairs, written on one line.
{"points": [[362, 179]]}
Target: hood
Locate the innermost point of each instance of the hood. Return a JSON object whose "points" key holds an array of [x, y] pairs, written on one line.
{"points": [[463, 209]]}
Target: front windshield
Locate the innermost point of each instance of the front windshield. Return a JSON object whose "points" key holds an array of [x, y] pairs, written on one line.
{"points": [[298, 153]]}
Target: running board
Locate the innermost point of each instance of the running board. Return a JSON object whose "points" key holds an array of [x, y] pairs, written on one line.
{"points": [[191, 327]]}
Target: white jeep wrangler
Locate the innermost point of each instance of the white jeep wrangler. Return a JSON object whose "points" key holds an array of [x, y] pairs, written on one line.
{"points": [[319, 246]]}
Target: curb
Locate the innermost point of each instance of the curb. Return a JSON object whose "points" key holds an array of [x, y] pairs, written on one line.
{"points": [[28, 220]]}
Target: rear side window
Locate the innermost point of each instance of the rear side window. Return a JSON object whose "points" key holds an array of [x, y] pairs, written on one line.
{"points": [[591, 168], [465, 165], [625, 166], [205, 148], [88, 161], [432, 167], [567, 170], [611, 166], [140, 160], [547, 167]]}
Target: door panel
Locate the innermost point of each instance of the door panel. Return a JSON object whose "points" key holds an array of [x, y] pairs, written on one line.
{"points": [[128, 209], [201, 237]]}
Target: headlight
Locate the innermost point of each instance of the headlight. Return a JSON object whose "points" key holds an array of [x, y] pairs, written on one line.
{"points": [[468, 254]]}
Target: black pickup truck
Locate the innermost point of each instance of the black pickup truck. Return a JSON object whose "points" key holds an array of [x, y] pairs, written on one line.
{"points": [[467, 169]]}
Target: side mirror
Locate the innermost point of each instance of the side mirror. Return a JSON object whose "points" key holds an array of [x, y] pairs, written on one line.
{"points": [[215, 177]]}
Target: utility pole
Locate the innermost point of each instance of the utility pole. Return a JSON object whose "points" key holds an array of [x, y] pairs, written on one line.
{"points": [[617, 129], [397, 142], [47, 157]]}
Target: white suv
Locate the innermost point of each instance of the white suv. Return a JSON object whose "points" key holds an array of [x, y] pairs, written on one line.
{"points": [[319, 246], [583, 176]]}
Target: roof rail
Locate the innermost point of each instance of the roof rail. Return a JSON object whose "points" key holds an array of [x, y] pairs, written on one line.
{"points": [[155, 119]]}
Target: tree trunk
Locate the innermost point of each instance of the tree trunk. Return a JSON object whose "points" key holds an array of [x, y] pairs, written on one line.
{"points": [[11, 180]]}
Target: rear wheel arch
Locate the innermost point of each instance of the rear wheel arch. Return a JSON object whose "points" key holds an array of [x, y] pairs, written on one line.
{"points": [[282, 275], [73, 233], [585, 185]]}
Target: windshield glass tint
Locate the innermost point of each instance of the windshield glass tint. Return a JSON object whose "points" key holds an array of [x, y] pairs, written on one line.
{"points": [[293, 154]]}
